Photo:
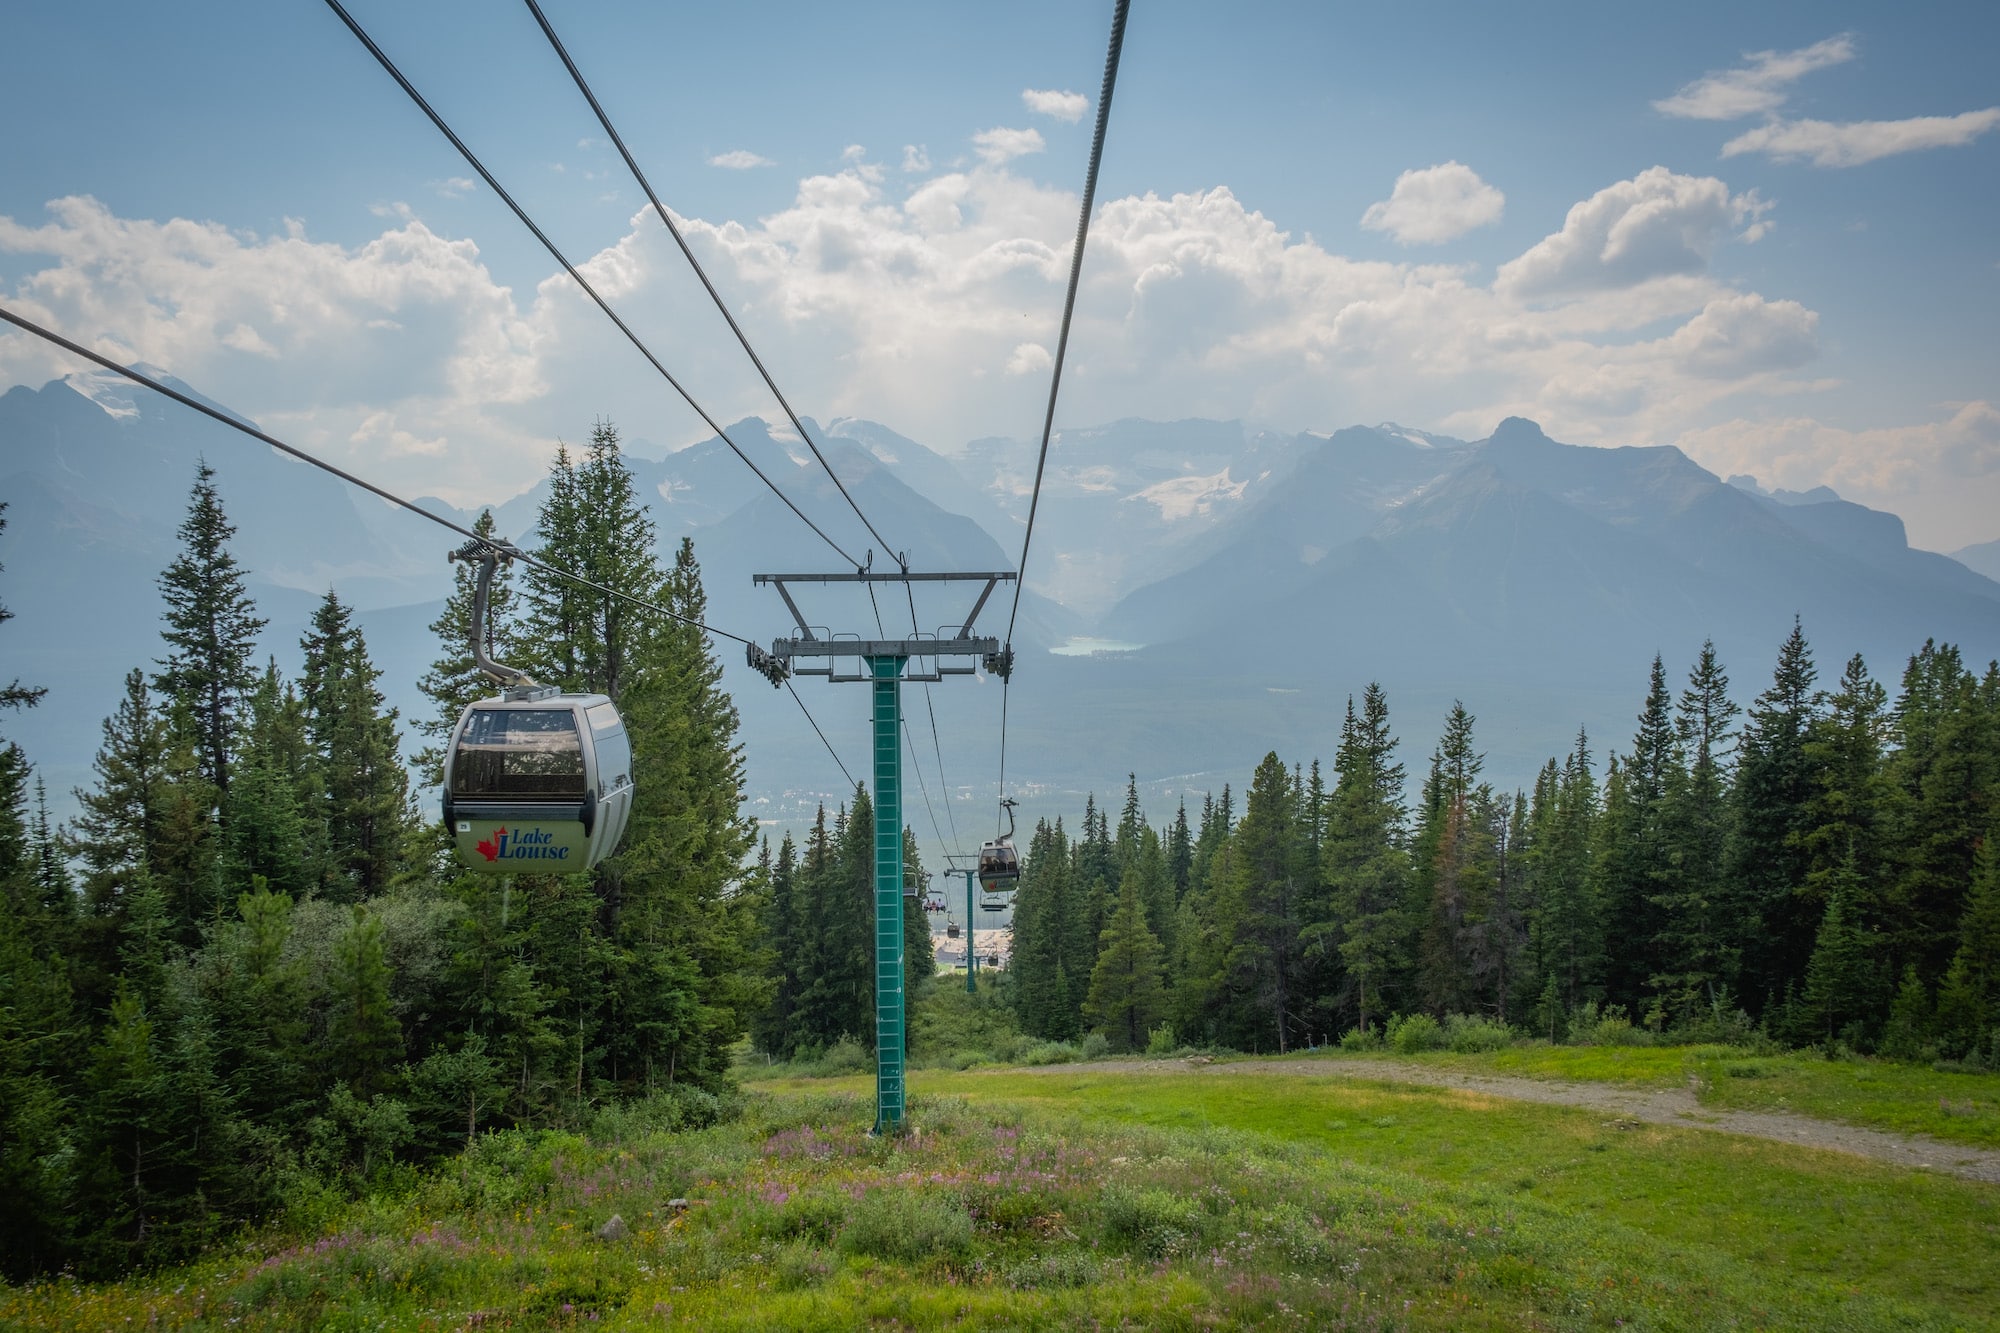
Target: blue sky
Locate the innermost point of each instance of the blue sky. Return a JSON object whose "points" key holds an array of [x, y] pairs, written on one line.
{"points": [[1772, 261]]}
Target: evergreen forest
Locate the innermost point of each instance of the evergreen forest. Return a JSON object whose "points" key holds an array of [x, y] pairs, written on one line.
{"points": [[248, 979], [1813, 869]]}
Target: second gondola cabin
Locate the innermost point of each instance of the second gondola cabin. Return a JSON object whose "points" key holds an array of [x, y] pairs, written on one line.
{"points": [[999, 866], [539, 784]]}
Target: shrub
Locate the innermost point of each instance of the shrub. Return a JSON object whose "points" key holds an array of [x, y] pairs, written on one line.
{"points": [[1049, 1053], [1152, 1222], [1095, 1047], [1408, 1034], [1361, 1039], [1607, 1027], [1470, 1033], [907, 1225]]}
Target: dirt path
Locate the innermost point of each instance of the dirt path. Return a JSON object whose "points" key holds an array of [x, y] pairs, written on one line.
{"points": [[1655, 1106]]}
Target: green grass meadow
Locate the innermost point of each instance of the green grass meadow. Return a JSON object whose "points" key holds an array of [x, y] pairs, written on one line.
{"points": [[1090, 1197]]}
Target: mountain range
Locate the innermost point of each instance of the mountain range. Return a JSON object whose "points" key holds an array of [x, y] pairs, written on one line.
{"points": [[1200, 591]]}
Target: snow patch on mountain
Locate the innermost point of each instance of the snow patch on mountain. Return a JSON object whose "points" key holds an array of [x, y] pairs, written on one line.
{"points": [[1191, 497]]}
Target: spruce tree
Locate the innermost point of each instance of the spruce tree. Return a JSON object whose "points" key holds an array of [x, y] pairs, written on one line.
{"points": [[1127, 995], [1767, 855], [1364, 861], [1968, 1007], [1945, 769], [1041, 990], [1257, 914], [362, 1034], [1697, 945], [355, 751], [143, 827], [211, 632]]}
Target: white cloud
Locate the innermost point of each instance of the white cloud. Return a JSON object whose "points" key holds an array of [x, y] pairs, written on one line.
{"points": [[1435, 205], [1744, 334], [1656, 225], [1004, 145], [933, 312], [1064, 106], [916, 158], [740, 159], [1826, 144], [1952, 466], [453, 187], [278, 325], [1757, 87], [1029, 359]]}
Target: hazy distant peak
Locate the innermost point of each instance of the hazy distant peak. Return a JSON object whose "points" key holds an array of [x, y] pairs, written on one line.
{"points": [[115, 394], [1818, 495], [1517, 431], [1420, 439]]}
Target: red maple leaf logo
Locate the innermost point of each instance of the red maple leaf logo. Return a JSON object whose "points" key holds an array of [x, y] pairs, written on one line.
{"points": [[489, 848]]}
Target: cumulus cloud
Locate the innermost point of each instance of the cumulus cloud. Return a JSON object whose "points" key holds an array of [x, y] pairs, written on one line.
{"points": [[1745, 334], [1029, 359], [1656, 225], [276, 324], [740, 159], [1882, 465], [1004, 145], [933, 311], [916, 157], [1064, 106], [1825, 144], [1435, 205], [1761, 85]]}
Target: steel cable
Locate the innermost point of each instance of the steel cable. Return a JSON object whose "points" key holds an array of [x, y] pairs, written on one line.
{"points": [[632, 164], [473, 161]]}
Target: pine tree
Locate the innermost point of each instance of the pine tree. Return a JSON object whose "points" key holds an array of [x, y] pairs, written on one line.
{"points": [[211, 632], [1456, 874], [773, 1028], [919, 963], [1636, 868], [1257, 910], [1697, 949], [1767, 856], [276, 829], [1945, 767], [684, 920], [1845, 848], [1180, 852], [144, 826], [363, 1035], [355, 752], [1041, 990], [1968, 1007], [1566, 928], [1127, 996], [1364, 862]]}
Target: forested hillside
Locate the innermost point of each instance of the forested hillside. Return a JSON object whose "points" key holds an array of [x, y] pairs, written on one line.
{"points": [[249, 974], [1819, 864]]}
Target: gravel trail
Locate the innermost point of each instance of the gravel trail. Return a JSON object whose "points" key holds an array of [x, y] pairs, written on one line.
{"points": [[1648, 1105]]}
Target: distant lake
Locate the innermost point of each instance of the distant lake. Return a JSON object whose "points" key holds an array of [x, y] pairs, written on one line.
{"points": [[1085, 647]]}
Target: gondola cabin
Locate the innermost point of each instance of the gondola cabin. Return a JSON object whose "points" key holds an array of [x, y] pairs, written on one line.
{"points": [[538, 783], [999, 866]]}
